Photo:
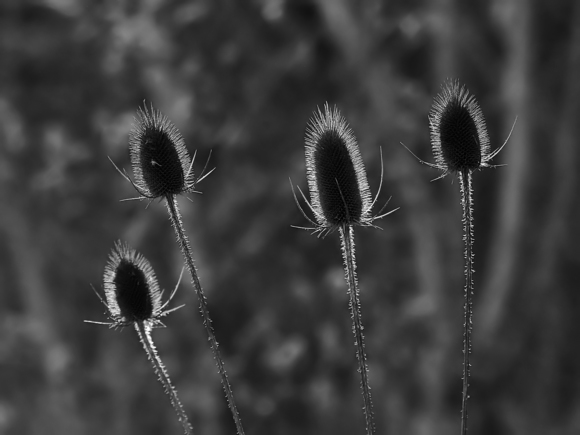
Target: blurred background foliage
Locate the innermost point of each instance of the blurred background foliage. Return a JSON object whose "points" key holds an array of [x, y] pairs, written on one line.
{"points": [[241, 78]]}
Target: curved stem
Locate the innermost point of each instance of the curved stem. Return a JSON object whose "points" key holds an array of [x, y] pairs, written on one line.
{"points": [[175, 216], [347, 241], [144, 331], [467, 203]]}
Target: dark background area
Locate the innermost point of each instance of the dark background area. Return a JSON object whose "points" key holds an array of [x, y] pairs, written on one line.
{"points": [[241, 78]]}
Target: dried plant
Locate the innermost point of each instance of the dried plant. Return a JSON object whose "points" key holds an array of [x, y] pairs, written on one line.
{"points": [[163, 168], [340, 199], [133, 298], [460, 146]]}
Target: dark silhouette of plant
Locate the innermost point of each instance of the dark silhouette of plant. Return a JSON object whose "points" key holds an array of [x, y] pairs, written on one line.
{"points": [[133, 298], [162, 168], [340, 198], [460, 146]]}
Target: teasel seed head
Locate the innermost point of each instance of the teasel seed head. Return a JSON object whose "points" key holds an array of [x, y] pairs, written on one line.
{"points": [[161, 163], [339, 189], [132, 293], [458, 132], [131, 288]]}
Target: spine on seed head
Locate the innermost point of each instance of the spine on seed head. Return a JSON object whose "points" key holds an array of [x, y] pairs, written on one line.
{"points": [[161, 163], [458, 131], [337, 180]]}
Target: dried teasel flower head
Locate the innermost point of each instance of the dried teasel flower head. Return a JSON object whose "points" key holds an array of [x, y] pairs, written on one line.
{"points": [[458, 132], [161, 164], [339, 189], [132, 293], [337, 180]]}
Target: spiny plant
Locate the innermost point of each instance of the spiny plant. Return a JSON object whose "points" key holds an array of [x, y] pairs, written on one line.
{"points": [[133, 298], [460, 146], [162, 168], [340, 199]]}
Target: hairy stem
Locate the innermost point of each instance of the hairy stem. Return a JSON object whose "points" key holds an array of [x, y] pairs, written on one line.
{"points": [[144, 331], [175, 216], [467, 203], [347, 240]]}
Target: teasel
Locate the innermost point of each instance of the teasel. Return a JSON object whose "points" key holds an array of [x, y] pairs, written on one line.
{"points": [[133, 298], [340, 199], [163, 168], [461, 145]]}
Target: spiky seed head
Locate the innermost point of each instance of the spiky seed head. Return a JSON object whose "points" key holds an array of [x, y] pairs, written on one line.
{"points": [[339, 189], [458, 132], [161, 163], [131, 289]]}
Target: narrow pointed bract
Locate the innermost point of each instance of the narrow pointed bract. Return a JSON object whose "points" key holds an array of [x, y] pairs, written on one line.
{"points": [[458, 132], [337, 180], [161, 163]]}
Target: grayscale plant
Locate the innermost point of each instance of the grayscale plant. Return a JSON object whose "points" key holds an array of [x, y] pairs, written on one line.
{"points": [[340, 199], [460, 146], [133, 298], [163, 168]]}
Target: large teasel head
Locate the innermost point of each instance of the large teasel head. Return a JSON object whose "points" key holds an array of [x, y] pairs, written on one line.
{"points": [[131, 290], [161, 164], [339, 189], [458, 132]]}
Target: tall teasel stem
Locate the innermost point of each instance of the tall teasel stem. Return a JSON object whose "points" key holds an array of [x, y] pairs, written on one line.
{"points": [[144, 331], [348, 255], [467, 203], [176, 221]]}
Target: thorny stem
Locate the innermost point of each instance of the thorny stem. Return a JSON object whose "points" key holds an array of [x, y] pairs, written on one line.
{"points": [[347, 241], [144, 331], [467, 203], [175, 216]]}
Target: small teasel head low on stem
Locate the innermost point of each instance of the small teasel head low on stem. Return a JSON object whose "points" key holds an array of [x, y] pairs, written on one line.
{"points": [[132, 293], [337, 181]]}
